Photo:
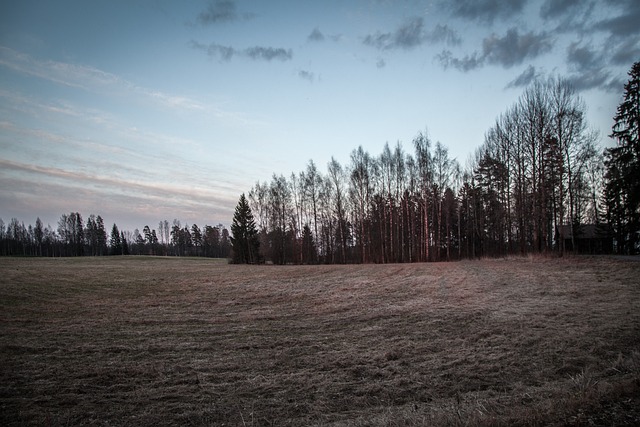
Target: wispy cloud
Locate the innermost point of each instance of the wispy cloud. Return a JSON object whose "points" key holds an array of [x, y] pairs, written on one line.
{"points": [[20, 135], [528, 76], [307, 75], [34, 186], [151, 189], [220, 12], [89, 79], [626, 22], [443, 34], [597, 79], [484, 11], [118, 152], [67, 74], [412, 34], [464, 64], [574, 18], [110, 85], [407, 36], [226, 53], [513, 48], [315, 36], [268, 53], [588, 68], [625, 52], [214, 50], [507, 51], [554, 9], [582, 57]]}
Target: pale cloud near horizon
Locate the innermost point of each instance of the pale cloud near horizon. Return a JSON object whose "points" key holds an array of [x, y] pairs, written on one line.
{"points": [[91, 190], [41, 167]]}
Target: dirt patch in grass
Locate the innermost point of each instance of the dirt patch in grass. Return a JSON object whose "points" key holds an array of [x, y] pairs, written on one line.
{"points": [[164, 341]]}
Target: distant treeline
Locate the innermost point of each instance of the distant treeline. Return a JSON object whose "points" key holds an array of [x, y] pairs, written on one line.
{"points": [[75, 237], [538, 174]]}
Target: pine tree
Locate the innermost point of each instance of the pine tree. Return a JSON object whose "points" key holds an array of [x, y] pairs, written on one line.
{"points": [[622, 191], [245, 235]]}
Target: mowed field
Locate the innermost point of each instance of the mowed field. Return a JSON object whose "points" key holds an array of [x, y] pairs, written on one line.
{"points": [[168, 341]]}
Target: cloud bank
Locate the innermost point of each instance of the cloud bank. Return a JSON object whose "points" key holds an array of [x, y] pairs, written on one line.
{"points": [[507, 51], [576, 23]]}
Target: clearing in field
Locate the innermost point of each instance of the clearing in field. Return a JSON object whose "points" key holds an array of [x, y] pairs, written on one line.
{"points": [[163, 341]]}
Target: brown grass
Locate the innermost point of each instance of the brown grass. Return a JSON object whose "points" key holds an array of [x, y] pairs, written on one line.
{"points": [[165, 341]]}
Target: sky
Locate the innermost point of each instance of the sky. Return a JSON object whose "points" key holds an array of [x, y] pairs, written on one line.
{"points": [[151, 110]]}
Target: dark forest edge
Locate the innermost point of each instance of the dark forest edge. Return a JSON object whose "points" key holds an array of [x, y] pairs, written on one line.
{"points": [[538, 184]]}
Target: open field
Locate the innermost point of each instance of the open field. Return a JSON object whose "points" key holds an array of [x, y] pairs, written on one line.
{"points": [[164, 341]]}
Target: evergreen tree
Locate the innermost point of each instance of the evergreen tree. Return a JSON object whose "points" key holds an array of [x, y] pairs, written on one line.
{"points": [[116, 241], [245, 235], [125, 245], [622, 191]]}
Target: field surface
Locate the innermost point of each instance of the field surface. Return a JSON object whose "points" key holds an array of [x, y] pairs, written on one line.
{"points": [[168, 341]]}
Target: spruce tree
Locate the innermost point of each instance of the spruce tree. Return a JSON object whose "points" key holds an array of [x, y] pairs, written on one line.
{"points": [[622, 191], [116, 241], [245, 234]]}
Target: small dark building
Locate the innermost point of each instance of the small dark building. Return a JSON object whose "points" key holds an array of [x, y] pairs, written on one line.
{"points": [[587, 238]]}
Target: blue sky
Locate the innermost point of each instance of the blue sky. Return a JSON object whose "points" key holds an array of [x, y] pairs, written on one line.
{"points": [[151, 110]]}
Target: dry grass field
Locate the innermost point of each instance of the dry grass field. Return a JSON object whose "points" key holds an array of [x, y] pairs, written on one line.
{"points": [[167, 341]]}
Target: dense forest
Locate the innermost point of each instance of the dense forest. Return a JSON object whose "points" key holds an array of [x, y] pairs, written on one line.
{"points": [[539, 183]]}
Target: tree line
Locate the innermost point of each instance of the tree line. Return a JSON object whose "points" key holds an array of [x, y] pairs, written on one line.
{"points": [[75, 237], [539, 168]]}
